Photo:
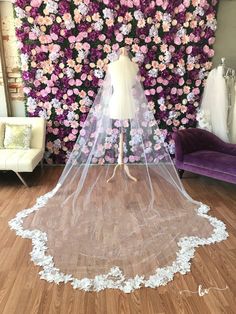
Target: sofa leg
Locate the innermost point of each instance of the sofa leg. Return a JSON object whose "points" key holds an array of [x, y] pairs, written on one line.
{"points": [[41, 164], [22, 180], [180, 172]]}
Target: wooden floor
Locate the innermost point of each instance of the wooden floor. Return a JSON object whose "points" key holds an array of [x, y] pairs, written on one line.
{"points": [[22, 292]]}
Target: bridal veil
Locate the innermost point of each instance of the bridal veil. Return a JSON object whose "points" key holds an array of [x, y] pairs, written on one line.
{"points": [[119, 216]]}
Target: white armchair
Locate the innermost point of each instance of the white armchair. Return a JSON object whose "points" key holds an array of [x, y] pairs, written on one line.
{"points": [[20, 160]]}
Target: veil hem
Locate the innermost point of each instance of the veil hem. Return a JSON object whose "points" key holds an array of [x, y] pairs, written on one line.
{"points": [[114, 279]]}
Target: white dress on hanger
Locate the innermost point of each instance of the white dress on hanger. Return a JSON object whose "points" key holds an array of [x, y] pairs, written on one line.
{"points": [[233, 119], [214, 105]]}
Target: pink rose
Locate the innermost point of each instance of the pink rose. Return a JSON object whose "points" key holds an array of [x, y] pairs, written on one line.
{"points": [[189, 49], [54, 90], [78, 82], [101, 37], [36, 3], [69, 92], [144, 49], [119, 37], [71, 137], [72, 39], [32, 36], [181, 81], [54, 36], [86, 46], [173, 90]]}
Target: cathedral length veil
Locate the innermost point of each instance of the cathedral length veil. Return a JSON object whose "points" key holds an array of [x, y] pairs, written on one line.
{"points": [[136, 227]]}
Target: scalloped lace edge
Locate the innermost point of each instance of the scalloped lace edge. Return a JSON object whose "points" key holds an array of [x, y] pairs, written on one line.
{"points": [[114, 279]]}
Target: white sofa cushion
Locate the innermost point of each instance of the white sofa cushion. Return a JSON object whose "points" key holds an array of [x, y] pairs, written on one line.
{"points": [[17, 136], [20, 160]]}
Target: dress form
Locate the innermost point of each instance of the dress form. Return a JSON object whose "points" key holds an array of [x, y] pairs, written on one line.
{"points": [[123, 73]]}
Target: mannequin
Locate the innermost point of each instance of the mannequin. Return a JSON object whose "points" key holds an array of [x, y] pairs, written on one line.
{"points": [[123, 74]]}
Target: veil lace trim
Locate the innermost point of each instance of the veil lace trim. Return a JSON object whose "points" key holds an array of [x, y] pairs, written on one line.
{"points": [[114, 279]]}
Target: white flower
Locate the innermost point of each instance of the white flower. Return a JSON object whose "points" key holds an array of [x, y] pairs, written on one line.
{"points": [[180, 71], [153, 72], [69, 24], [54, 56], [112, 56], [108, 13], [43, 114], [167, 57], [20, 13], [153, 31], [70, 73], [126, 29], [191, 59], [51, 6], [190, 96], [136, 139], [212, 24], [55, 103], [99, 73], [98, 26], [201, 74], [83, 8], [139, 57], [57, 143], [161, 101], [181, 32], [82, 54], [199, 11], [138, 15], [166, 17], [71, 115], [39, 74], [24, 59]]}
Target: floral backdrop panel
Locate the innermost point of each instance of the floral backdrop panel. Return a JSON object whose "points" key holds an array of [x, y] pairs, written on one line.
{"points": [[66, 46]]}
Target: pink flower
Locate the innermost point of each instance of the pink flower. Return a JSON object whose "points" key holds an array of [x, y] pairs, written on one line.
{"points": [[69, 92], [173, 90], [32, 36], [159, 89], [71, 137], [36, 3], [119, 37], [148, 39], [102, 37], [55, 131], [72, 39], [144, 49], [189, 49], [184, 120]]}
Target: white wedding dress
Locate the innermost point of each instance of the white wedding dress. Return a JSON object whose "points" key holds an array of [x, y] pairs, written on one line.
{"points": [[122, 234], [213, 114]]}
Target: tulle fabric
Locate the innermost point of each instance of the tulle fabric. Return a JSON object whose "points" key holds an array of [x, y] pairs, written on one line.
{"points": [[93, 225]]}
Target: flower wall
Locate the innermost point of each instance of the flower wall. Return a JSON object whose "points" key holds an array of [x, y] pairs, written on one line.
{"points": [[66, 46]]}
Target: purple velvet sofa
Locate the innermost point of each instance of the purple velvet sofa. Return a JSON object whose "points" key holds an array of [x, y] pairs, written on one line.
{"points": [[202, 152]]}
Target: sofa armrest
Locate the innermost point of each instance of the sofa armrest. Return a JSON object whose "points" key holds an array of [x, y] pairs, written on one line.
{"points": [[227, 148], [179, 156], [192, 140]]}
